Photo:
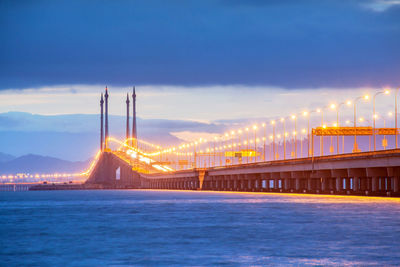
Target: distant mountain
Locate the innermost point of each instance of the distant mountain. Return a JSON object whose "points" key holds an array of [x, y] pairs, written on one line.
{"points": [[6, 157], [41, 164]]}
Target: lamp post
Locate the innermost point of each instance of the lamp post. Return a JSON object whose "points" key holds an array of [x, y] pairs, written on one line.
{"points": [[264, 139], [395, 112], [273, 139], [294, 117], [255, 142], [355, 145], [386, 92], [321, 145], [284, 138]]}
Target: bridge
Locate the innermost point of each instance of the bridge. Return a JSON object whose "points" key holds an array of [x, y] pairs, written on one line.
{"points": [[285, 154]]}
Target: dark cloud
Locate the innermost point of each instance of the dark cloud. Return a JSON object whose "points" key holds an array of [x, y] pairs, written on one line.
{"points": [[282, 43]]}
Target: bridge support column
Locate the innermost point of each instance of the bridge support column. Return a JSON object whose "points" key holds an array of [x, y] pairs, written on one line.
{"points": [[374, 184], [276, 184], [297, 184], [339, 184], [356, 184], [395, 184], [323, 184], [309, 184]]}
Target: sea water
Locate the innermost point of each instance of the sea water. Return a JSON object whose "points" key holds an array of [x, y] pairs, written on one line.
{"points": [[169, 228]]}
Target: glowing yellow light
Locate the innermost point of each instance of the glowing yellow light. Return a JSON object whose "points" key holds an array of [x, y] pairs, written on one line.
{"points": [[318, 110], [293, 117], [366, 97], [282, 119], [272, 122], [333, 106], [263, 125], [390, 114], [305, 113], [387, 91], [254, 127], [324, 126]]}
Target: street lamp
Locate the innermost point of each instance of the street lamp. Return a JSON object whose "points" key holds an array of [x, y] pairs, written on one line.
{"points": [[284, 138], [294, 117], [355, 145], [273, 138], [337, 108], [255, 142], [321, 139], [395, 111], [386, 92], [264, 139]]}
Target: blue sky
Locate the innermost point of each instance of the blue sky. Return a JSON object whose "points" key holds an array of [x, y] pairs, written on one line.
{"points": [[289, 44]]}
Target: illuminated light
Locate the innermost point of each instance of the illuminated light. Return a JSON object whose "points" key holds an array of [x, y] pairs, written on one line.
{"points": [[272, 122], [333, 106], [226, 134], [293, 117], [335, 124], [232, 132], [375, 116], [263, 138], [347, 122], [245, 142], [255, 127], [390, 114], [279, 136], [286, 134], [282, 119], [229, 146], [247, 129], [361, 119], [257, 139], [366, 97], [239, 131], [324, 126], [303, 130], [271, 137], [318, 110], [387, 91], [263, 125], [305, 113], [234, 145], [294, 133]]}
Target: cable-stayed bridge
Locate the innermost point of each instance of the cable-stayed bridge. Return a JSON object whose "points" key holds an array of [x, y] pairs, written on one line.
{"points": [[306, 152]]}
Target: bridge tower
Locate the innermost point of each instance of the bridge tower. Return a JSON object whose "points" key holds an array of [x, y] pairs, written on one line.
{"points": [[134, 130], [106, 119], [127, 117], [101, 123]]}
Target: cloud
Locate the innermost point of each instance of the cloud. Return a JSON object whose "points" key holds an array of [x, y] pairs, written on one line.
{"points": [[381, 5], [290, 44]]}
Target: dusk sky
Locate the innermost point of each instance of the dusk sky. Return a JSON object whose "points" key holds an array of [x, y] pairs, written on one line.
{"points": [[196, 60]]}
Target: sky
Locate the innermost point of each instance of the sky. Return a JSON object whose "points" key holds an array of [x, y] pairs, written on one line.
{"points": [[204, 61]]}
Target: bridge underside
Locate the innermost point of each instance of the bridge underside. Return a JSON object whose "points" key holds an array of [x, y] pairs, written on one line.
{"points": [[373, 174]]}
